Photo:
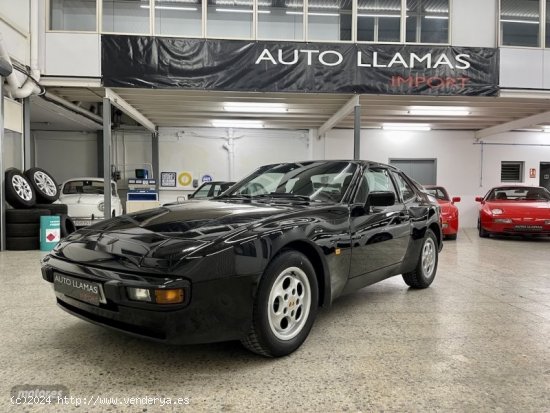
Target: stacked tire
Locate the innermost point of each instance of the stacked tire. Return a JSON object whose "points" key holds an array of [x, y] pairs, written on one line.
{"points": [[32, 194]]}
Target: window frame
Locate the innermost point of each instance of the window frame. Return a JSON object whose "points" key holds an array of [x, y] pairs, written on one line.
{"points": [[521, 171], [542, 28], [48, 21], [405, 179]]}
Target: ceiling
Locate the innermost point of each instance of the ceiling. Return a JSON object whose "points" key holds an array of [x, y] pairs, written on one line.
{"points": [[47, 115], [176, 108]]}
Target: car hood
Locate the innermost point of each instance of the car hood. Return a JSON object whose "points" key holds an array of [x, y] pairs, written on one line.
{"points": [[158, 239], [534, 209]]}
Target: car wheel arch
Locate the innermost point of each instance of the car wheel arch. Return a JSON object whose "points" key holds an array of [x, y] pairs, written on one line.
{"points": [[437, 231], [320, 266]]}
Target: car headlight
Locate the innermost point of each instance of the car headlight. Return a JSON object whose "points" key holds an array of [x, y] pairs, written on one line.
{"points": [[502, 221], [158, 296], [496, 211], [101, 206]]}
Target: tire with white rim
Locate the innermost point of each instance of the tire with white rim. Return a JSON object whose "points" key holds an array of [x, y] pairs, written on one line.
{"points": [[424, 273], [285, 306], [19, 192], [44, 185]]}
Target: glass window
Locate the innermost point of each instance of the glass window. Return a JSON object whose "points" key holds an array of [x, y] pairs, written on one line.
{"points": [[281, 20], [329, 19], [74, 15], [178, 18], [427, 21], [229, 18], [405, 188], [548, 23], [379, 20], [125, 16], [374, 180], [519, 22]]}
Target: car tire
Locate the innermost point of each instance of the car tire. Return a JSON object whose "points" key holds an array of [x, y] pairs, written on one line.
{"points": [[22, 243], [44, 185], [19, 191], [285, 306], [22, 230], [483, 233], [25, 216], [66, 225], [55, 209], [424, 273], [451, 237]]}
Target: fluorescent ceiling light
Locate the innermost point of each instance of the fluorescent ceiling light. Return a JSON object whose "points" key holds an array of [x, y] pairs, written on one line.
{"points": [[379, 15], [519, 21], [229, 123], [406, 126], [438, 111], [170, 8], [241, 11], [314, 13], [255, 107], [294, 12], [546, 129], [437, 17]]}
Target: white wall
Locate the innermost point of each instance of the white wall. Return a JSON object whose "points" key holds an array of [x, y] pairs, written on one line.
{"points": [[474, 23], [458, 159], [15, 27]]}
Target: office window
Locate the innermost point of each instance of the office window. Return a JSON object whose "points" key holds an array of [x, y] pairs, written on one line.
{"points": [[548, 23], [329, 20], [230, 18], [519, 22], [281, 20], [73, 15], [379, 20], [178, 17], [511, 171], [427, 21], [125, 16]]}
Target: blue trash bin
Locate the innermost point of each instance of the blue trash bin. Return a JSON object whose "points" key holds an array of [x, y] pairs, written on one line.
{"points": [[50, 232]]}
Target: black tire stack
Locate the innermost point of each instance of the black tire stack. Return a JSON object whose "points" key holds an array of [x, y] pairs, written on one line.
{"points": [[31, 195]]}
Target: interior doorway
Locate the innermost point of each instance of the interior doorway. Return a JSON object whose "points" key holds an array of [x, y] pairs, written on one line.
{"points": [[545, 175]]}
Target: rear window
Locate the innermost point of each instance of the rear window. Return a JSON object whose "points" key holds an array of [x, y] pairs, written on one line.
{"points": [[519, 194]]}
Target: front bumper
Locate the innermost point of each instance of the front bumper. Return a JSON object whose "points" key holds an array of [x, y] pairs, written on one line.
{"points": [[216, 310], [518, 226]]}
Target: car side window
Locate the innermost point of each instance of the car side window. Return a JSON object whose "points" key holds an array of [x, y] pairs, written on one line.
{"points": [[405, 188], [374, 180]]}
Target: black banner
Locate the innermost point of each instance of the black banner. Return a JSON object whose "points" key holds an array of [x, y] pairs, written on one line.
{"points": [[232, 65]]}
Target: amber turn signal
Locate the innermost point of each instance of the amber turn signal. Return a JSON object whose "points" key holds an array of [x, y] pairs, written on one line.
{"points": [[174, 296]]}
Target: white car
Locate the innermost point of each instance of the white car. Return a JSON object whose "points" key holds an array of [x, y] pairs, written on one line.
{"points": [[84, 199]]}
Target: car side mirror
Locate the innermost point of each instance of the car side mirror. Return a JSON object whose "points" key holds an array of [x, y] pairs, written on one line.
{"points": [[456, 199], [479, 199], [380, 199]]}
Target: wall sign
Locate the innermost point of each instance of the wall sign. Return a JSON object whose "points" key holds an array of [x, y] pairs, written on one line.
{"points": [[168, 179], [185, 179], [234, 65], [207, 178], [532, 173]]}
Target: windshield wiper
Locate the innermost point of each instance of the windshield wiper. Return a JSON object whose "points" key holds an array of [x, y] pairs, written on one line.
{"points": [[283, 195]]}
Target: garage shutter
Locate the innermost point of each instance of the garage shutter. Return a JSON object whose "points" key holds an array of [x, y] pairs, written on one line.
{"points": [[511, 171]]}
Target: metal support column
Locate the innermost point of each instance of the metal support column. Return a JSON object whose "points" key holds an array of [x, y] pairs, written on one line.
{"points": [[28, 139], [99, 140], [2, 194], [357, 133], [155, 159], [107, 158]]}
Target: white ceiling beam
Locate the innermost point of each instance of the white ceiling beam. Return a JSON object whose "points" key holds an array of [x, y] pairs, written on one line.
{"points": [[514, 124], [342, 113], [124, 106]]}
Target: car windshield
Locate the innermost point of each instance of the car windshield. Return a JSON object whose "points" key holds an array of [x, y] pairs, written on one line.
{"points": [[85, 187], [438, 192], [306, 181], [519, 193]]}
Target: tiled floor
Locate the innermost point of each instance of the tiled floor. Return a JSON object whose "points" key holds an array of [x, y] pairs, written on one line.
{"points": [[477, 340]]}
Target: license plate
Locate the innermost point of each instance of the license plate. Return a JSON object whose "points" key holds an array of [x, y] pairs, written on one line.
{"points": [[83, 222], [532, 228], [87, 291]]}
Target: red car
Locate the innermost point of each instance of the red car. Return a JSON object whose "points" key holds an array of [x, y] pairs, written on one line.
{"points": [[522, 210], [449, 211]]}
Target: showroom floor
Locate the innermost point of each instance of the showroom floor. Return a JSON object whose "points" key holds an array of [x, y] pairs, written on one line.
{"points": [[477, 340]]}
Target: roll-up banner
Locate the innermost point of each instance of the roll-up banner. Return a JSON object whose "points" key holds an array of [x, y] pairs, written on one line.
{"points": [[233, 65]]}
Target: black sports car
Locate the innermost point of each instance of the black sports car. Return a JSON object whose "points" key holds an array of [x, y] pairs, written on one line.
{"points": [[255, 263]]}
